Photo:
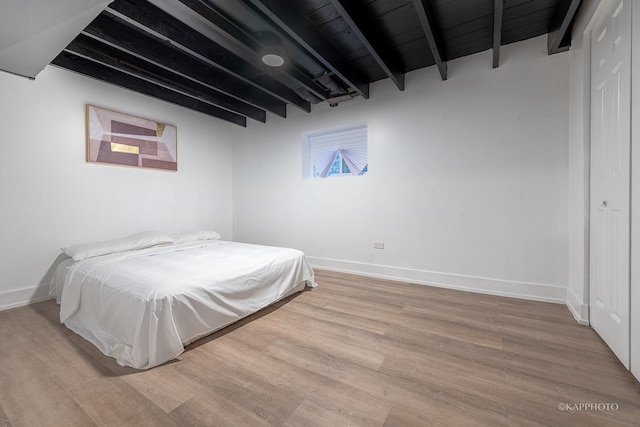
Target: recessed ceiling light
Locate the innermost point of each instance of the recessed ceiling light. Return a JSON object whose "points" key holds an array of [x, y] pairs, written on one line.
{"points": [[272, 50], [273, 60]]}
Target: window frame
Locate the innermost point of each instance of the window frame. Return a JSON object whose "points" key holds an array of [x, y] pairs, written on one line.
{"points": [[308, 166]]}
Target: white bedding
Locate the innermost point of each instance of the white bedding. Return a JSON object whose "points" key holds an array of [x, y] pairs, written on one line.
{"points": [[142, 307]]}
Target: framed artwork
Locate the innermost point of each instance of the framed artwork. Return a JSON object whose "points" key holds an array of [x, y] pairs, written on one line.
{"points": [[122, 139]]}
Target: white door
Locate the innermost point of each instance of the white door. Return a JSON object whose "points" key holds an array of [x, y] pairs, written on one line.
{"points": [[610, 177]]}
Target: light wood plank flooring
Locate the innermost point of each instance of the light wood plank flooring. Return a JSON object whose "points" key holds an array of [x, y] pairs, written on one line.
{"points": [[353, 352]]}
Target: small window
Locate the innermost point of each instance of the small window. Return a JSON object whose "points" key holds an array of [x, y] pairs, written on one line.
{"points": [[335, 152]]}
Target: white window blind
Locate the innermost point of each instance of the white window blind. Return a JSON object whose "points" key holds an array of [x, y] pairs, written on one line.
{"points": [[331, 151]]}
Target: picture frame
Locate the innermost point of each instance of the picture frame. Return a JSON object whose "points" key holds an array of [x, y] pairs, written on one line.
{"points": [[122, 139]]}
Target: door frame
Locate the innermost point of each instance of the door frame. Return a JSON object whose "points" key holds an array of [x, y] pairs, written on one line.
{"points": [[635, 192]]}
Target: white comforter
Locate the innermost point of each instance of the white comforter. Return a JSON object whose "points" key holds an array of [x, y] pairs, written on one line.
{"points": [[143, 306]]}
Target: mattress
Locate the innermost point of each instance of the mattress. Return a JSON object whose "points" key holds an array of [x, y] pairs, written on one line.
{"points": [[142, 307]]}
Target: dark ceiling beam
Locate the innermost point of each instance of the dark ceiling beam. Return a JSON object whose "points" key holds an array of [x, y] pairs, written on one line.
{"points": [[388, 60], [219, 20], [284, 15], [114, 32], [92, 69], [223, 25], [151, 18], [559, 39], [425, 14], [94, 50], [498, 7]]}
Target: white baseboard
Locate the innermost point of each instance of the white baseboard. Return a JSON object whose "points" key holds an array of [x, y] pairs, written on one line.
{"points": [[22, 297], [577, 307], [483, 285]]}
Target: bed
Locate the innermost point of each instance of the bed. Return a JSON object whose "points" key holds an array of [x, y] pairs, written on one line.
{"points": [[142, 306]]}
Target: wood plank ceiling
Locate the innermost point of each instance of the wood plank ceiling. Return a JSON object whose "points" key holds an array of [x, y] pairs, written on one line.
{"points": [[205, 55]]}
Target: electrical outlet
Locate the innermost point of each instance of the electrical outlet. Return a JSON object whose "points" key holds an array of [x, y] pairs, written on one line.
{"points": [[378, 245]]}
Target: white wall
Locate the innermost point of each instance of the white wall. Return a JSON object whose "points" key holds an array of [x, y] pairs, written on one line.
{"points": [[50, 197], [467, 182]]}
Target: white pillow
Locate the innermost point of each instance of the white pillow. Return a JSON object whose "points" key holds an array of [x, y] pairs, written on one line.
{"points": [[137, 241], [195, 235]]}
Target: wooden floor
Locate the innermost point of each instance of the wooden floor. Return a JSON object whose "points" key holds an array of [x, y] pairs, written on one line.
{"points": [[353, 352]]}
